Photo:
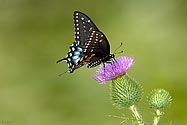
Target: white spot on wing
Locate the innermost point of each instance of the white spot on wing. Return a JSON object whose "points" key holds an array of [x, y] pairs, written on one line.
{"points": [[68, 59], [78, 42], [73, 49], [70, 54], [70, 64]]}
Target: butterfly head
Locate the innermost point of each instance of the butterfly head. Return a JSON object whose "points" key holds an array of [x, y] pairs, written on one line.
{"points": [[111, 56], [108, 58]]}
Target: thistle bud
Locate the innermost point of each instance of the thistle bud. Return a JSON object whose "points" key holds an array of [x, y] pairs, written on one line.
{"points": [[125, 91], [159, 99]]}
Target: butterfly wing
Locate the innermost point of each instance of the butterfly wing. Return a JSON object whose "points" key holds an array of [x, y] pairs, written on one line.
{"points": [[73, 56], [83, 26], [96, 49]]}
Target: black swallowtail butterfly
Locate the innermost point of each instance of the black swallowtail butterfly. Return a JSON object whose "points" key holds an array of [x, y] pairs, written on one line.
{"points": [[90, 46]]}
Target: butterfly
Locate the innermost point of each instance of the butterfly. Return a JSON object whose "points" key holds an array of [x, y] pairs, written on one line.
{"points": [[90, 46]]}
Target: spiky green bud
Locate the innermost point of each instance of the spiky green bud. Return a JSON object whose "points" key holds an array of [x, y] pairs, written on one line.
{"points": [[125, 91], [159, 99]]}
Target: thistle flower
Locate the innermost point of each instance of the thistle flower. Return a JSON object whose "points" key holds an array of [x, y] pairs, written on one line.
{"points": [[114, 69], [125, 91]]}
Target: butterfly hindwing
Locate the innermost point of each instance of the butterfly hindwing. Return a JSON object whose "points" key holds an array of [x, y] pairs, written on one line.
{"points": [[96, 49], [73, 57], [97, 43]]}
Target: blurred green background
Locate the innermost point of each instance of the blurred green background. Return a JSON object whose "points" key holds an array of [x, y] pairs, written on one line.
{"points": [[36, 33]]}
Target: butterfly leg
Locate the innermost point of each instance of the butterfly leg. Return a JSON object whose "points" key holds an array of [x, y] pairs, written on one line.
{"points": [[104, 68]]}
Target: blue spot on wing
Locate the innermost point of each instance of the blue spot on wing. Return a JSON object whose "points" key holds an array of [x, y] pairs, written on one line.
{"points": [[75, 57], [77, 54], [76, 60], [79, 49]]}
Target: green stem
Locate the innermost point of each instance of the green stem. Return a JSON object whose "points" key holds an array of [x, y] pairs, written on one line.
{"points": [[136, 115], [157, 117]]}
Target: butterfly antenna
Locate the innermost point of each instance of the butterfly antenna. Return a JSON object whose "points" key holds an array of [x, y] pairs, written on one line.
{"points": [[118, 47], [119, 52]]}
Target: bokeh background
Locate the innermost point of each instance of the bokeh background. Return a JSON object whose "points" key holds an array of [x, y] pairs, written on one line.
{"points": [[36, 33]]}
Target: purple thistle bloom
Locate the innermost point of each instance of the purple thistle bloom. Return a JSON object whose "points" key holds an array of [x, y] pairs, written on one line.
{"points": [[114, 69]]}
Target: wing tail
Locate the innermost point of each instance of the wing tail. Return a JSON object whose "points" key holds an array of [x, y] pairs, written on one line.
{"points": [[60, 60]]}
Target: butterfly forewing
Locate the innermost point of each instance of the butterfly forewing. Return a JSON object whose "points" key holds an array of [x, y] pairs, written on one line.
{"points": [[83, 26]]}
